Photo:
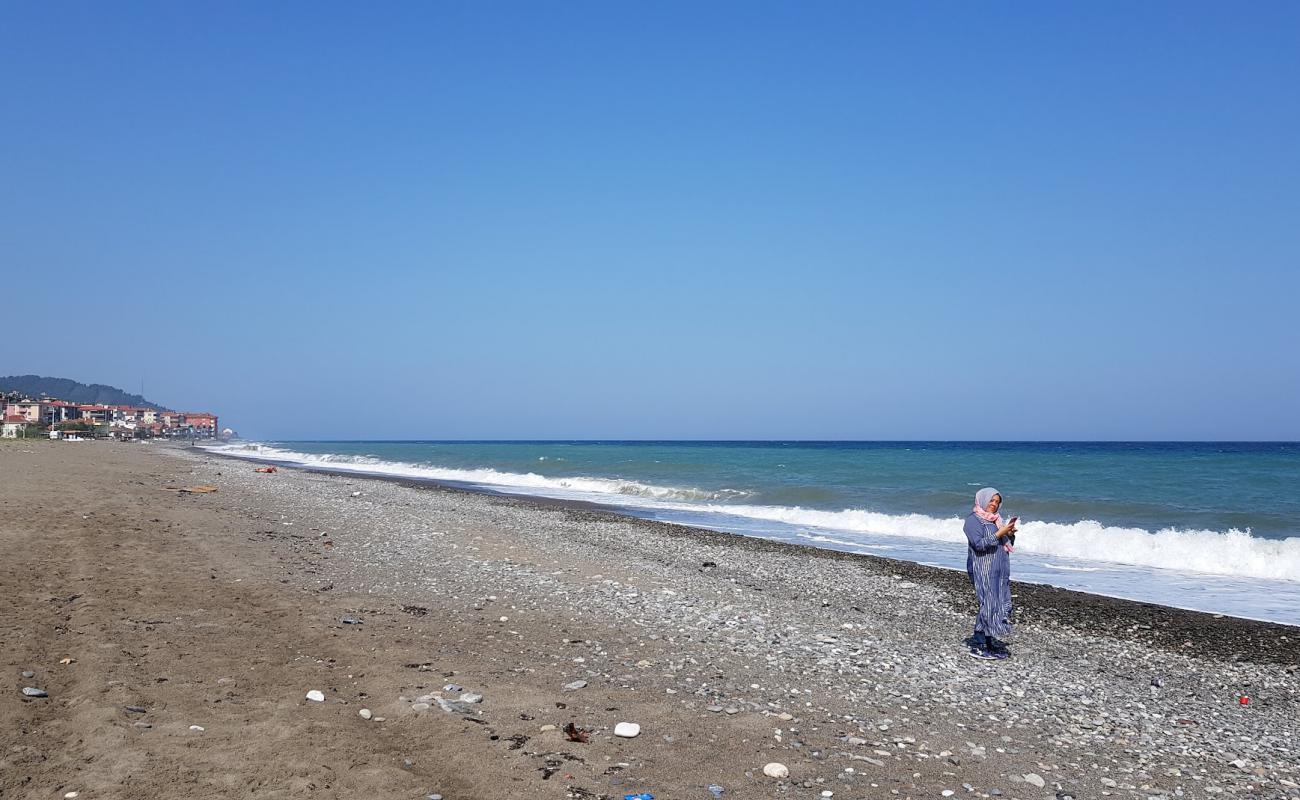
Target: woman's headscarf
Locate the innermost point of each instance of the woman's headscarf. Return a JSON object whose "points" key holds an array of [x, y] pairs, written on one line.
{"points": [[982, 498]]}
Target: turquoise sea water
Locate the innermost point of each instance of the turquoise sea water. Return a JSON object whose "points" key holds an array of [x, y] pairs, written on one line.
{"points": [[1214, 526]]}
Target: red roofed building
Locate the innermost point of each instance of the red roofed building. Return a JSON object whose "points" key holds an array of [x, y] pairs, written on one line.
{"points": [[97, 414], [203, 423]]}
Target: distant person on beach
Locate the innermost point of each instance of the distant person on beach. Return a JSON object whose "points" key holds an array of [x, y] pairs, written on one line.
{"points": [[988, 562]]}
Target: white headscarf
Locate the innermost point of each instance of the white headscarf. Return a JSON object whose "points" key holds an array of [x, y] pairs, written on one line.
{"points": [[982, 499]]}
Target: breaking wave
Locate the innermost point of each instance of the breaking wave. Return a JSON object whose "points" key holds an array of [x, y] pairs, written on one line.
{"points": [[1233, 552], [485, 477]]}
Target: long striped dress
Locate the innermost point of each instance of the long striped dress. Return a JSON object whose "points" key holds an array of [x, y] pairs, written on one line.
{"points": [[989, 567]]}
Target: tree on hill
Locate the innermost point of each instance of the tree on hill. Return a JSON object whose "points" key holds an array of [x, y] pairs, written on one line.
{"points": [[72, 391]]}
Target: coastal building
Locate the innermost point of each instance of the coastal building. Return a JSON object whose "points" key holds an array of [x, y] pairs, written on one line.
{"points": [[13, 426], [33, 411], [117, 421], [63, 411], [201, 423], [96, 414]]}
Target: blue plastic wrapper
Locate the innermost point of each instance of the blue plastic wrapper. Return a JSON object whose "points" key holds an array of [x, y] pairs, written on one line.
{"points": [[641, 796]]}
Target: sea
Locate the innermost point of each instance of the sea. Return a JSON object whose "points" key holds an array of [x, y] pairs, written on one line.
{"points": [[1207, 526]]}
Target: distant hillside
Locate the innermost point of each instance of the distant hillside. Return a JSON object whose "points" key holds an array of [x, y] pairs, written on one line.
{"points": [[72, 391]]}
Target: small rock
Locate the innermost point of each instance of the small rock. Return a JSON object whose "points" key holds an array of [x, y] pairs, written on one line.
{"points": [[27, 673], [714, 709], [70, 795], [365, 713], [470, 697], [1035, 779], [351, 621], [418, 707], [31, 691], [575, 686], [451, 687], [433, 797], [198, 728], [546, 728], [135, 709], [315, 695], [143, 725], [776, 770], [627, 730]]}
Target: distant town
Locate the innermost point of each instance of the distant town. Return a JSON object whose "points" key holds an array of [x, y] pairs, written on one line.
{"points": [[57, 419]]}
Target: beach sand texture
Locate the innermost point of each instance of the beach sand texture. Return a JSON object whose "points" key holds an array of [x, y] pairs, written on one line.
{"points": [[196, 624]]}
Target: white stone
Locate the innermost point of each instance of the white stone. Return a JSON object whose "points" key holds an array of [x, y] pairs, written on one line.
{"points": [[417, 707], [365, 713], [627, 730], [70, 795], [1035, 779], [776, 770], [198, 728], [947, 793], [470, 697], [316, 695]]}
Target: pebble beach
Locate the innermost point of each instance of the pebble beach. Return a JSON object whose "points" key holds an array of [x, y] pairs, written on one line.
{"points": [[471, 645]]}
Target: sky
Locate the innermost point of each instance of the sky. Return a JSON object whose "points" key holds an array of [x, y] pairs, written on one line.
{"points": [[723, 220]]}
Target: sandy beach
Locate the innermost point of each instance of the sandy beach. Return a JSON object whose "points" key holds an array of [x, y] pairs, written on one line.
{"points": [[177, 636]]}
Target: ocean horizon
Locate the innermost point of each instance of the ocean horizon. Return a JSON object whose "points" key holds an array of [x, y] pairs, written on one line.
{"points": [[1209, 526]]}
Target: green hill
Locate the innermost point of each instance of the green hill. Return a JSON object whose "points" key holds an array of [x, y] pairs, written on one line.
{"points": [[72, 391]]}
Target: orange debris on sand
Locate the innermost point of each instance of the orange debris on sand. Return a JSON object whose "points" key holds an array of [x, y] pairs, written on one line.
{"points": [[265, 469]]}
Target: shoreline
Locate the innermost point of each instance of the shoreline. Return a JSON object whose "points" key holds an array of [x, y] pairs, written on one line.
{"points": [[1214, 636], [178, 634]]}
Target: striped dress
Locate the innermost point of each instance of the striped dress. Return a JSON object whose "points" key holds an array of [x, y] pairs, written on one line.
{"points": [[989, 567]]}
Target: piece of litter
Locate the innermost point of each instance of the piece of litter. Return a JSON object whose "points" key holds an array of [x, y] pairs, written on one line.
{"points": [[66, 661], [575, 734]]}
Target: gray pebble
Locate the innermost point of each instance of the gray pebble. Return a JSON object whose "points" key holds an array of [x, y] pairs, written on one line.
{"points": [[31, 691]]}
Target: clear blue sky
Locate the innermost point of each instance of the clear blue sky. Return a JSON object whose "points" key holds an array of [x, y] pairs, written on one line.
{"points": [[661, 220]]}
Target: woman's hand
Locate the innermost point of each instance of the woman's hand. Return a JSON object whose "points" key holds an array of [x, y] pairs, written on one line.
{"points": [[1006, 530]]}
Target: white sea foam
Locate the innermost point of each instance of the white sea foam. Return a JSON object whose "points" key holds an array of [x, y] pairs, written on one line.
{"points": [[483, 477], [1232, 553]]}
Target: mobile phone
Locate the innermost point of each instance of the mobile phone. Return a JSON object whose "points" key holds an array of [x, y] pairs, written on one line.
{"points": [[1014, 521]]}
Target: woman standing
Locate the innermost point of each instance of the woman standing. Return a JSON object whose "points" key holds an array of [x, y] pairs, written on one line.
{"points": [[988, 562]]}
